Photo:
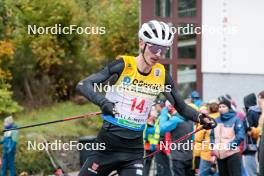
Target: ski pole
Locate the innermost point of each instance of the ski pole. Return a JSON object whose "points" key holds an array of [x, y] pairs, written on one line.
{"points": [[58, 168], [56, 121], [176, 141]]}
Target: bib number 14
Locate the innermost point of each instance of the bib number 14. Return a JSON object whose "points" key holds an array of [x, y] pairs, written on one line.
{"points": [[137, 105]]}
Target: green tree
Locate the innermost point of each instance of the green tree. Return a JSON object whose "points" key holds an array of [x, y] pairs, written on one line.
{"points": [[121, 20], [47, 67], [48, 64], [7, 104]]}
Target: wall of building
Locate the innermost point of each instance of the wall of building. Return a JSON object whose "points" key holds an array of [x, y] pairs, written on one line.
{"points": [[232, 48], [232, 40], [237, 85]]}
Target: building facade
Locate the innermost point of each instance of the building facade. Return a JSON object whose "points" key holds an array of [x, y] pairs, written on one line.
{"points": [[217, 49]]}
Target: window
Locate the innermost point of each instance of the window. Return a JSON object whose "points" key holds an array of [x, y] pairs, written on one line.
{"points": [[183, 60], [187, 41], [168, 54], [186, 77], [186, 8], [163, 8]]}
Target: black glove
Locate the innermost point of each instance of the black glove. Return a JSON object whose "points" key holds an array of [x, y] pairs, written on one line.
{"points": [[207, 124], [108, 108]]}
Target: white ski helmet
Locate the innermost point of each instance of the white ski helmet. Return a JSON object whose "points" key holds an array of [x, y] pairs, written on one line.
{"points": [[156, 32]]}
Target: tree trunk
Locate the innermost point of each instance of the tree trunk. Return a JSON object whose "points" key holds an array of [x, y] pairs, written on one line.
{"points": [[27, 89]]}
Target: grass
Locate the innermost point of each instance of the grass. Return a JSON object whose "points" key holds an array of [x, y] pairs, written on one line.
{"points": [[59, 111], [35, 161]]}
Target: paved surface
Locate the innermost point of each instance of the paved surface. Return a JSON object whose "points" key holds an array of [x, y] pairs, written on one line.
{"points": [[73, 174]]}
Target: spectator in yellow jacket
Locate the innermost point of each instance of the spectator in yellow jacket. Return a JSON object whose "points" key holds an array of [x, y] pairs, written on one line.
{"points": [[197, 145], [203, 138]]}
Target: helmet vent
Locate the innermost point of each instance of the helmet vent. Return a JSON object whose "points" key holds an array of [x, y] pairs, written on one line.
{"points": [[169, 36], [155, 32], [147, 34], [163, 34]]}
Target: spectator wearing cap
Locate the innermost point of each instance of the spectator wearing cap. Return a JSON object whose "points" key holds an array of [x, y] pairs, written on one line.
{"points": [[242, 116], [154, 131], [226, 138], [9, 142], [168, 120], [159, 105], [196, 99]]}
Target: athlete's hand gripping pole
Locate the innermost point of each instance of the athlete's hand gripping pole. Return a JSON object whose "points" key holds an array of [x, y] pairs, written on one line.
{"points": [[109, 108], [92, 114], [207, 122]]}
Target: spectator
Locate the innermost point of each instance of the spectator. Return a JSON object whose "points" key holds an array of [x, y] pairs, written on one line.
{"points": [[9, 147], [261, 125], [182, 155], [261, 119], [256, 131], [204, 139], [168, 122], [250, 123], [196, 99], [197, 145], [249, 101], [226, 137], [151, 138], [241, 115], [196, 103]]}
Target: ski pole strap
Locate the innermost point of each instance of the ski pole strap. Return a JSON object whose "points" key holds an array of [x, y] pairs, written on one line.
{"points": [[176, 141]]}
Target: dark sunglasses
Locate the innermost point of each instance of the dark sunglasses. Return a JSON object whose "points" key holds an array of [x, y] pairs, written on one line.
{"points": [[155, 49]]}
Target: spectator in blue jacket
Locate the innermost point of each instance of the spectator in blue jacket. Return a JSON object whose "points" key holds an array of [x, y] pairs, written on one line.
{"points": [[226, 137], [169, 119], [9, 142]]}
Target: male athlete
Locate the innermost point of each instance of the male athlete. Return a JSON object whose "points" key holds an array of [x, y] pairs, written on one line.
{"points": [[137, 82]]}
